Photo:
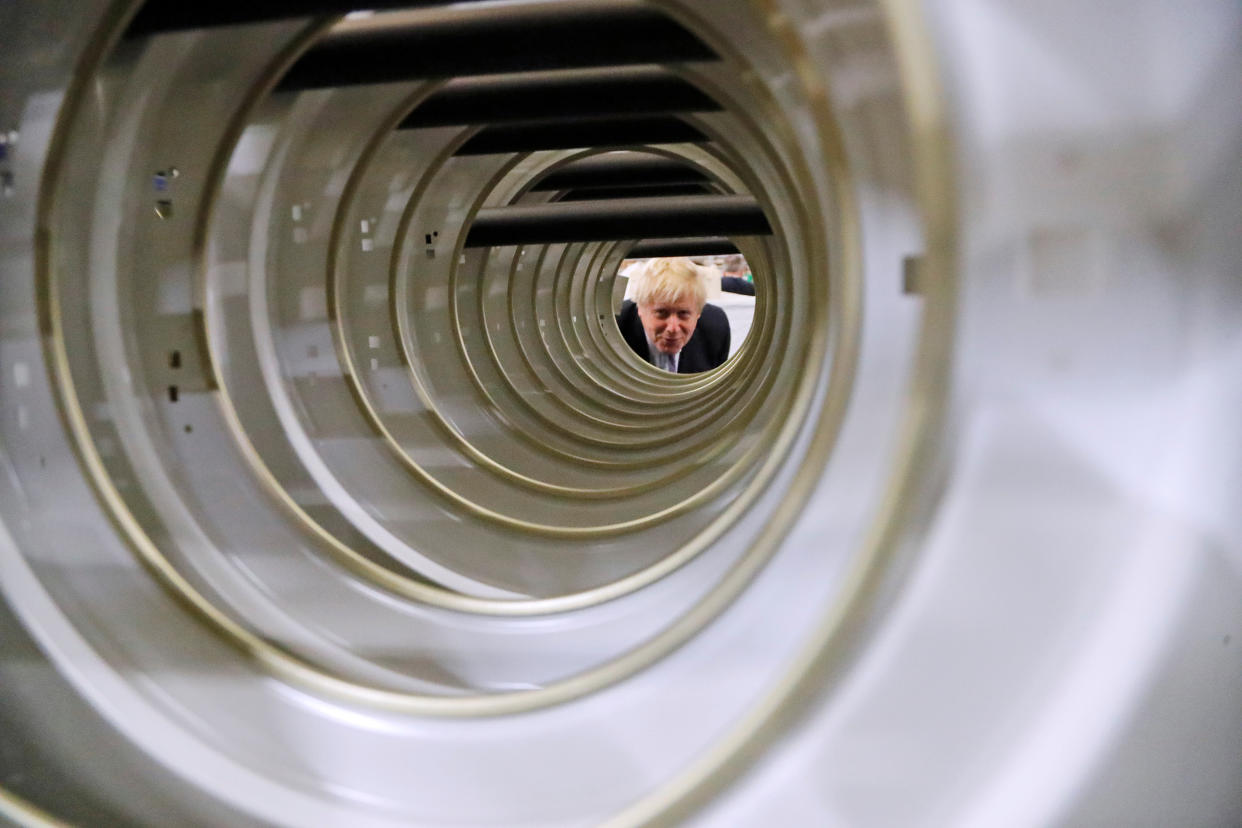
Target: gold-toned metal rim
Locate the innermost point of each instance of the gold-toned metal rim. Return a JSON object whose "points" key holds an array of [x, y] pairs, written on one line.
{"points": [[718, 392], [547, 530], [697, 392], [345, 350], [25, 813], [435, 595], [739, 365], [288, 666]]}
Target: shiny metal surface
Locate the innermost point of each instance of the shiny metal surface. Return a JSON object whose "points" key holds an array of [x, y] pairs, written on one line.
{"points": [[311, 513]]}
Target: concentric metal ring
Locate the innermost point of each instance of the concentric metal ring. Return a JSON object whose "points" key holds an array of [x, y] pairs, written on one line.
{"points": [[317, 504]]}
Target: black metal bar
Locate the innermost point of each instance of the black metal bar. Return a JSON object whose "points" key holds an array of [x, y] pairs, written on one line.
{"points": [[583, 93], [636, 218], [158, 16], [641, 191], [620, 169], [570, 134], [522, 37], [699, 246]]}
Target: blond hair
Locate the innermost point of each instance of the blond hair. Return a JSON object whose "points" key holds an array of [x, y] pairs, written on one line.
{"points": [[669, 279]]}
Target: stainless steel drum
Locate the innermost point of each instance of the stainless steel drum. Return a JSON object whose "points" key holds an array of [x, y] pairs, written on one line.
{"points": [[332, 495]]}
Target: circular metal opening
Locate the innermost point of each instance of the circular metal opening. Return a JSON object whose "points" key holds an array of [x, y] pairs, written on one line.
{"points": [[334, 477]]}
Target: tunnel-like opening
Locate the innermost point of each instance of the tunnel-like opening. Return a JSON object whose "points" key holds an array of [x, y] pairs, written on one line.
{"points": [[333, 490], [365, 301], [404, 325], [345, 371]]}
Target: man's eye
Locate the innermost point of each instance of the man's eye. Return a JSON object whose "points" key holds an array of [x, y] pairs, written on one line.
{"points": [[684, 316]]}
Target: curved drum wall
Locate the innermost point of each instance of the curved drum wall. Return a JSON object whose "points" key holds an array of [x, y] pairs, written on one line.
{"points": [[331, 492]]}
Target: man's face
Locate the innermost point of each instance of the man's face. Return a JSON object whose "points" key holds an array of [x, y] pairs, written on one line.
{"points": [[669, 324]]}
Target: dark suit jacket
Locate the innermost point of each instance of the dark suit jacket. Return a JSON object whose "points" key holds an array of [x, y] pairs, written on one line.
{"points": [[736, 284], [707, 348]]}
